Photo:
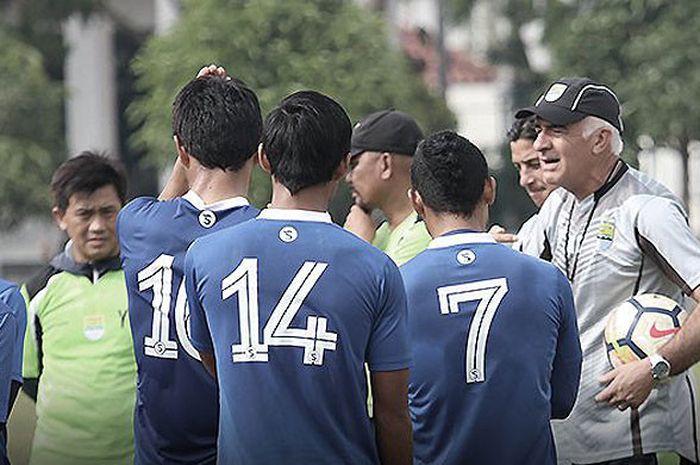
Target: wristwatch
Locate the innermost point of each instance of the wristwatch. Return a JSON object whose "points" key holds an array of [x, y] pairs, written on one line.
{"points": [[660, 368]]}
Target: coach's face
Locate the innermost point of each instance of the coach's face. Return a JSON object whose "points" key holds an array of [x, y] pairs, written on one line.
{"points": [[527, 162], [90, 222], [364, 178], [563, 154]]}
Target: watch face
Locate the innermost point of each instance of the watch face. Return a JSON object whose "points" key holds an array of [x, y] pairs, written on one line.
{"points": [[661, 369]]}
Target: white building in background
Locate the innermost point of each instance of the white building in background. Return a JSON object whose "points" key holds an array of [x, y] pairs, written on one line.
{"points": [[477, 93], [91, 112]]}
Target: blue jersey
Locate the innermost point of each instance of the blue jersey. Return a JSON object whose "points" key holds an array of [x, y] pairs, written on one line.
{"points": [[8, 336], [10, 295], [495, 350], [176, 414], [292, 306]]}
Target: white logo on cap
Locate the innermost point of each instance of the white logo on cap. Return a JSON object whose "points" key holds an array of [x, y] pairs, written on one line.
{"points": [[207, 218], [555, 92]]}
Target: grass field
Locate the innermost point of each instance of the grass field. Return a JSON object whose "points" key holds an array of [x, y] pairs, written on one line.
{"points": [[22, 420]]}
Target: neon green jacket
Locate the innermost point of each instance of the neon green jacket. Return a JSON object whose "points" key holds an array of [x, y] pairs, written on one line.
{"points": [[79, 346], [406, 241]]}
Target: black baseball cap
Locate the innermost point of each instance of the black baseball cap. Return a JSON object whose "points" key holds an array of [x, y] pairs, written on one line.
{"points": [[569, 100], [386, 131]]}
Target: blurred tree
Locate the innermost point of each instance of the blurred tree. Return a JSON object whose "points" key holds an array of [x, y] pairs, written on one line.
{"points": [[512, 206], [38, 23], [333, 46], [31, 139], [644, 49]]}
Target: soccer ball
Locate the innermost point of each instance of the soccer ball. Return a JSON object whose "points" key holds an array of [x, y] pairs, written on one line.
{"points": [[639, 326]]}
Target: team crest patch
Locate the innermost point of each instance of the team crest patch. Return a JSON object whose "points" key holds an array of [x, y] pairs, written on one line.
{"points": [[606, 234], [465, 257], [555, 92], [94, 327], [207, 218], [288, 234]]}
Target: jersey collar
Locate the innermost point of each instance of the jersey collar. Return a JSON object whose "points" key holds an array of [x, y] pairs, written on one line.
{"points": [[618, 171], [461, 238], [294, 215], [226, 204]]}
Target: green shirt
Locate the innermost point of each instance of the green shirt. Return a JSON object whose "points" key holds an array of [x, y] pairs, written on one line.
{"points": [[406, 241], [79, 345]]}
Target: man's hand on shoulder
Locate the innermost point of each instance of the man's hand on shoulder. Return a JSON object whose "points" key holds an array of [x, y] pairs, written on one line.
{"points": [[360, 223], [499, 233]]}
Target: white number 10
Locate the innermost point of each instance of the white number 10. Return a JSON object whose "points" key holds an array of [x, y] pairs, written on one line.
{"points": [[158, 277], [489, 294]]}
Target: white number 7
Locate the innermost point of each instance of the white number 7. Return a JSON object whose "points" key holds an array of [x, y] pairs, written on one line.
{"points": [[489, 294]]}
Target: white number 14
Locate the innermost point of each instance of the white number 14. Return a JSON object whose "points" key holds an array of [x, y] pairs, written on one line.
{"points": [[314, 338]]}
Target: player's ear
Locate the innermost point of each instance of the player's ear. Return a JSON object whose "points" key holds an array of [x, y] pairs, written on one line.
{"points": [[342, 168], [58, 215], [417, 202], [489, 194], [601, 141], [263, 161], [181, 152], [385, 165]]}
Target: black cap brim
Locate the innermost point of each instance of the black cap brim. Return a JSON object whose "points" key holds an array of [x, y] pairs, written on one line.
{"points": [[553, 114], [355, 151]]}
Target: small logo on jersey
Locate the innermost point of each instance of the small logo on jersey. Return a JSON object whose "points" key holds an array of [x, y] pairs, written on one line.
{"points": [[94, 327], [474, 375], [159, 347], [288, 234], [122, 316], [466, 257], [207, 218], [606, 234], [657, 333]]}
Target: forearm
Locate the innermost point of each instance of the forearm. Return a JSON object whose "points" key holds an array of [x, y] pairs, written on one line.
{"points": [[209, 362], [392, 423], [684, 349], [177, 184], [393, 435]]}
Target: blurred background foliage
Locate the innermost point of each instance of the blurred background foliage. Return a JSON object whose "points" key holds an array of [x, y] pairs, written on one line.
{"points": [[332, 46], [645, 49], [30, 130]]}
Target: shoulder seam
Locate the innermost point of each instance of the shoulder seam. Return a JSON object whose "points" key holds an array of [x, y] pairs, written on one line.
{"points": [[40, 280]]}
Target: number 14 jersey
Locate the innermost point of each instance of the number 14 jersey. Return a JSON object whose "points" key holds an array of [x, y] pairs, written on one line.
{"points": [[292, 306], [176, 416]]}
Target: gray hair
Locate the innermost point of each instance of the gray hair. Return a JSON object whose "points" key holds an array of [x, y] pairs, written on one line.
{"points": [[593, 123]]}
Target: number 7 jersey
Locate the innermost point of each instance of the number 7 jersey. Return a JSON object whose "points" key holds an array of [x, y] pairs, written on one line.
{"points": [[495, 352], [176, 415]]}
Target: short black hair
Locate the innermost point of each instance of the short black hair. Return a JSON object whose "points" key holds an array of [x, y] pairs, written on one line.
{"points": [[218, 121], [449, 173], [85, 173], [523, 128], [305, 139]]}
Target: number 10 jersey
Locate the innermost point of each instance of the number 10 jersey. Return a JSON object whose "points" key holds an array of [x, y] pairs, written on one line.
{"points": [[176, 416]]}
